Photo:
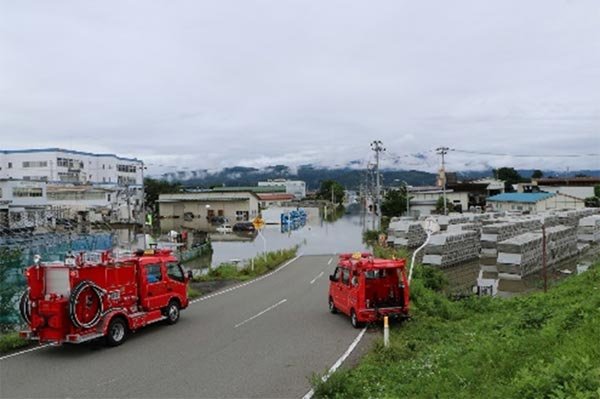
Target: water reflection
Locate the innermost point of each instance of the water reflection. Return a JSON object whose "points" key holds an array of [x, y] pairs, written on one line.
{"points": [[317, 236]]}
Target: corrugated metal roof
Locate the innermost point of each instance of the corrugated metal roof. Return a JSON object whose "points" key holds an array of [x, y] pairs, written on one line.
{"points": [[521, 197]]}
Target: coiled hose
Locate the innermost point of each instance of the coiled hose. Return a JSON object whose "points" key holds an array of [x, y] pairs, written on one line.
{"points": [[25, 307], [74, 300]]}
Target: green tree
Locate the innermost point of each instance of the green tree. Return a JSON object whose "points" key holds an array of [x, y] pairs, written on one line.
{"points": [[11, 284], [394, 203], [537, 174], [153, 188], [326, 188], [509, 175], [439, 206], [597, 190]]}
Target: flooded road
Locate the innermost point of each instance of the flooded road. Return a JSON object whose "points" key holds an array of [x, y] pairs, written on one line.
{"points": [[317, 237]]}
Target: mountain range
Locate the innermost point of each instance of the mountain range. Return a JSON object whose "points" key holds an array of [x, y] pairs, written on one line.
{"points": [[349, 176]]}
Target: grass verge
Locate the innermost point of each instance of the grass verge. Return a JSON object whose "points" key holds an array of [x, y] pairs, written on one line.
{"points": [[534, 346], [11, 341], [260, 265]]}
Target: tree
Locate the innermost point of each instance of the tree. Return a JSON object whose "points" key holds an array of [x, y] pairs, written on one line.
{"points": [[509, 175], [439, 206], [153, 188], [394, 203], [537, 174], [325, 191]]}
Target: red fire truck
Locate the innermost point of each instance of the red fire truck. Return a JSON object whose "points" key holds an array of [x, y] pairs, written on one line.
{"points": [[367, 289], [92, 295]]}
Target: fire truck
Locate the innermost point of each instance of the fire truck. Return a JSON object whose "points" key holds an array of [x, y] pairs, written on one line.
{"points": [[93, 295], [367, 289]]}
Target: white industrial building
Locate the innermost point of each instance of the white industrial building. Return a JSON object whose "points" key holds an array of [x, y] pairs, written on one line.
{"points": [[295, 187], [423, 200], [534, 202], [56, 165], [23, 204]]}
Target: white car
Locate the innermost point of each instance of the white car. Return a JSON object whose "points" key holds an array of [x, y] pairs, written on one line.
{"points": [[224, 228]]}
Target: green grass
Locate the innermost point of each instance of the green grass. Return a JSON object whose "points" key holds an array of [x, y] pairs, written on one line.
{"points": [[11, 341], [193, 293], [262, 264], [534, 346]]}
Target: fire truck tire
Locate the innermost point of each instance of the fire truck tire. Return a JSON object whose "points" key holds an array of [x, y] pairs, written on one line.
{"points": [[25, 307], [172, 312], [117, 332], [354, 320], [332, 307]]}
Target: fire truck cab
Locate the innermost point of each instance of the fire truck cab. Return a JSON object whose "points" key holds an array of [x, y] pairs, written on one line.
{"points": [[367, 289], [92, 295]]}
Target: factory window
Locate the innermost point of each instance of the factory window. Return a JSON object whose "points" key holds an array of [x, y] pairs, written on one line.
{"points": [[35, 164], [21, 192], [10, 165], [241, 216], [126, 168], [0, 192]]}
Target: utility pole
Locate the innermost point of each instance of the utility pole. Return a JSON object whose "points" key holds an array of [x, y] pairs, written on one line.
{"points": [[443, 151], [378, 147]]}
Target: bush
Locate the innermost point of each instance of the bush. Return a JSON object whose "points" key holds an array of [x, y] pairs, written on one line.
{"points": [[11, 341]]}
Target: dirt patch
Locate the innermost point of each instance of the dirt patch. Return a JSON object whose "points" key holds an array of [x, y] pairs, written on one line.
{"points": [[207, 287]]}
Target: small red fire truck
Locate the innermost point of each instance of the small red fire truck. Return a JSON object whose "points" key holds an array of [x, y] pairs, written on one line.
{"points": [[92, 295], [367, 289]]}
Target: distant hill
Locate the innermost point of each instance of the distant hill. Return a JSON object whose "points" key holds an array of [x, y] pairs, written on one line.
{"points": [[349, 176]]}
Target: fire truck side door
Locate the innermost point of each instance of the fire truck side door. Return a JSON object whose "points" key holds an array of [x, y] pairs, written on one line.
{"points": [[176, 279], [340, 290], [154, 286]]}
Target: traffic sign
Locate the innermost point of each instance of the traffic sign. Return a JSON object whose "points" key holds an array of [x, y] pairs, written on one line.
{"points": [[258, 223]]}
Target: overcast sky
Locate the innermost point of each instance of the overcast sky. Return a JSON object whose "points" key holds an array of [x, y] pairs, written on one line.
{"points": [[204, 84]]}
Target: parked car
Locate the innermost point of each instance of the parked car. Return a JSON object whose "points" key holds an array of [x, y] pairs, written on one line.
{"points": [[244, 226], [224, 228]]}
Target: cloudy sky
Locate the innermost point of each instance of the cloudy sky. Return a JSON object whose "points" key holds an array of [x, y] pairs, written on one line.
{"points": [[207, 84]]}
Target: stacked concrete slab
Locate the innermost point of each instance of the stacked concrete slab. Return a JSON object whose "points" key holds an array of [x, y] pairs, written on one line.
{"points": [[572, 218], [492, 234], [522, 255], [405, 233], [588, 230], [452, 248]]}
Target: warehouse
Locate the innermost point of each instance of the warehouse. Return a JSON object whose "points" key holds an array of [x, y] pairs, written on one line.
{"points": [[534, 202]]}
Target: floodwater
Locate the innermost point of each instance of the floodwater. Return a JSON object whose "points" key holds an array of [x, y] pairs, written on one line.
{"points": [[318, 236]]}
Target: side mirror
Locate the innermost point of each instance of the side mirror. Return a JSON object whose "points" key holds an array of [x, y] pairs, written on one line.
{"points": [[332, 278], [190, 275]]}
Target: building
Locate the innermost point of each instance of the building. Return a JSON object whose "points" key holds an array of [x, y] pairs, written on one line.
{"points": [[424, 199], [295, 187], [205, 210], [273, 199], [23, 205], [56, 165], [580, 187], [534, 202]]}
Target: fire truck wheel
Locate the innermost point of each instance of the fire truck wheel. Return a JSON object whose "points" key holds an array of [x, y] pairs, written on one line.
{"points": [[172, 312], [354, 320], [332, 307], [117, 332]]}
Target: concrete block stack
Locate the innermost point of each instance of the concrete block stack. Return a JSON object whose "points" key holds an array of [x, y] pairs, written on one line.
{"points": [[588, 230], [522, 255], [492, 234], [452, 248], [409, 234], [571, 218]]}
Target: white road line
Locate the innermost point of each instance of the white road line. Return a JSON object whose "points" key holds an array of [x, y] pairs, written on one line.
{"points": [[235, 287], [23, 352], [315, 279], [260, 314], [339, 362], [330, 260], [204, 298]]}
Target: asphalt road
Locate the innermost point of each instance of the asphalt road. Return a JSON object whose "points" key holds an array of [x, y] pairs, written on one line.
{"points": [[264, 339]]}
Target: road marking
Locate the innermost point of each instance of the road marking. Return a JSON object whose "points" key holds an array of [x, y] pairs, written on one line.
{"points": [[261, 313], [330, 260], [23, 352], [315, 279], [235, 287], [339, 362]]}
